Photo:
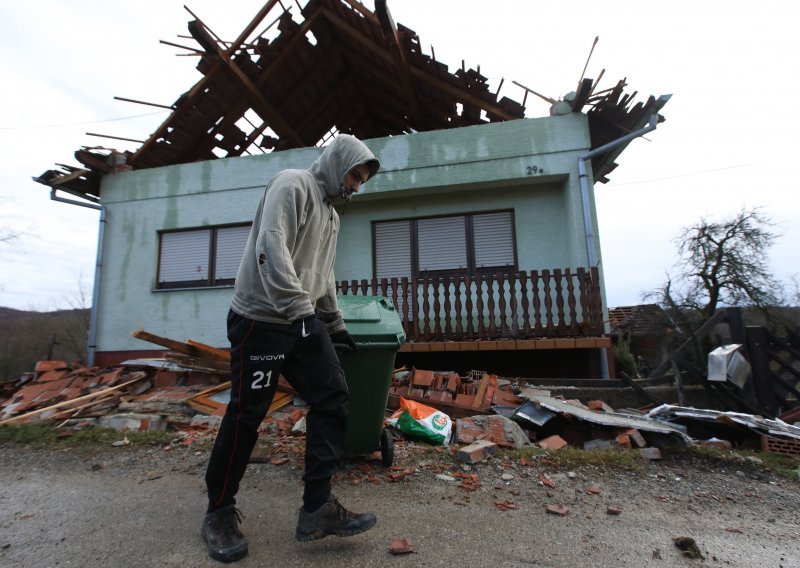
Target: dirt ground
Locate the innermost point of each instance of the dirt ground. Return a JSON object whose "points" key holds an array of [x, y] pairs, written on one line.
{"points": [[142, 507]]}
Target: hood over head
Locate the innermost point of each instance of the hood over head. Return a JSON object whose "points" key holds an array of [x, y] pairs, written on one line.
{"points": [[338, 158]]}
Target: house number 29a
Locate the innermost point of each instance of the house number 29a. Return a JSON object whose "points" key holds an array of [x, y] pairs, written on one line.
{"points": [[258, 377], [533, 170]]}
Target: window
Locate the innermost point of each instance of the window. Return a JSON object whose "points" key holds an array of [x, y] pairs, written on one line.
{"points": [[455, 244], [199, 258]]}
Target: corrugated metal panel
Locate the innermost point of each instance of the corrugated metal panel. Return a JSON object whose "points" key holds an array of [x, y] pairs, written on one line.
{"points": [[494, 239], [230, 247], [393, 249], [442, 244], [184, 256]]}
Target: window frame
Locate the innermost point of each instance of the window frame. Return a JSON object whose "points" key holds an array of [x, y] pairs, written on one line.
{"points": [[211, 281], [469, 237]]}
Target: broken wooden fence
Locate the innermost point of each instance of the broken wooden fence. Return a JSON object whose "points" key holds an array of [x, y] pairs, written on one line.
{"points": [[774, 385]]}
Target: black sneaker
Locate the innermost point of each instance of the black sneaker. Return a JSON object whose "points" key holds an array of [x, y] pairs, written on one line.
{"points": [[221, 532], [333, 519]]}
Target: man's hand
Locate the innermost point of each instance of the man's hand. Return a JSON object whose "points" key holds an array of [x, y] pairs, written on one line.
{"points": [[343, 337], [309, 333]]}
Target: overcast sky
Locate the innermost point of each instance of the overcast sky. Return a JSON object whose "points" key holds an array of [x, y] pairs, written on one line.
{"points": [[729, 140]]}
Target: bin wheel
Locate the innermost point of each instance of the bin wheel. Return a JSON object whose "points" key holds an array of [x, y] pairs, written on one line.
{"points": [[387, 448]]}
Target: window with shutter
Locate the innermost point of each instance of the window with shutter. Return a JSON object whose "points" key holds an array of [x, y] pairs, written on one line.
{"points": [[184, 258], [228, 253], [393, 249], [196, 258], [460, 243], [442, 244], [493, 234]]}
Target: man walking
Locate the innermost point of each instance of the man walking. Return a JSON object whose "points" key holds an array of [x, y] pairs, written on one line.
{"points": [[284, 318]]}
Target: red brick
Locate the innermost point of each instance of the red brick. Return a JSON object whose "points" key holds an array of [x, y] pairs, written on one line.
{"points": [[442, 396], [599, 405], [557, 510], [166, 379], [453, 382], [477, 451], [422, 378], [554, 442], [50, 376], [44, 366], [624, 440], [636, 438], [465, 400]]}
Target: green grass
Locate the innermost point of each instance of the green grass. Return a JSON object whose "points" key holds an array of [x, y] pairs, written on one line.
{"points": [[47, 435], [779, 464], [575, 458]]}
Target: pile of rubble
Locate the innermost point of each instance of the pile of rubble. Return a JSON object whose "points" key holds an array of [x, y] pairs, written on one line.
{"points": [[187, 390]]}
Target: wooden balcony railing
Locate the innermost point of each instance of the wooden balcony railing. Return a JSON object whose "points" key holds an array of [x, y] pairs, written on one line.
{"points": [[521, 305]]}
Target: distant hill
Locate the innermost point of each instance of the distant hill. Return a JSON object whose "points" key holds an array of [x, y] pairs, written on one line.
{"points": [[28, 336]]}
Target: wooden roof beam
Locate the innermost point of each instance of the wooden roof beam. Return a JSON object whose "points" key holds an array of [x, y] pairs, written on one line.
{"points": [[260, 104], [462, 95], [392, 36], [188, 100]]}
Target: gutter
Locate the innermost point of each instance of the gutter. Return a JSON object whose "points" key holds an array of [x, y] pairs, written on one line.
{"points": [[91, 345], [651, 124]]}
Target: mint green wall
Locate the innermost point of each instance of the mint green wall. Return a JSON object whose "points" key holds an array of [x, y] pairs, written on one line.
{"points": [[528, 165]]}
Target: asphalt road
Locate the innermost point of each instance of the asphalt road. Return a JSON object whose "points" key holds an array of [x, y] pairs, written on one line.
{"points": [[128, 507]]}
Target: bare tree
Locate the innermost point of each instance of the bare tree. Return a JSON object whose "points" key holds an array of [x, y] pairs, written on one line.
{"points": [[722, 263]]}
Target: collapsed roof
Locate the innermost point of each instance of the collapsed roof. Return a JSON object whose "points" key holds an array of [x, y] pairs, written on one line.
{"points": [[299, 88]]}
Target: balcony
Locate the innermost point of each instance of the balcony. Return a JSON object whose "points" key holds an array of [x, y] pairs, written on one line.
{"points": [[494, 307]]}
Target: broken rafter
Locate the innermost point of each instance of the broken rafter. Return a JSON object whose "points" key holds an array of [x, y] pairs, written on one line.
{"points": [[392, 36], [259, 103], [114, 137], [193, 348], [188, 101], [531, 91], [168, 107]]}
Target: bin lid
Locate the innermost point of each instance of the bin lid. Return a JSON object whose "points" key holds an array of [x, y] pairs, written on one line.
{"points": [[371, 319]]}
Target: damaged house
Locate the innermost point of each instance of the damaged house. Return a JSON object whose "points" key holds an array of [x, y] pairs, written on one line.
{"points": [[480, 225]]}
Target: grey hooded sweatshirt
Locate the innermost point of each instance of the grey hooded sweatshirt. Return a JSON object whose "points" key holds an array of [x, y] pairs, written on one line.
{"points": [[287, 268]]}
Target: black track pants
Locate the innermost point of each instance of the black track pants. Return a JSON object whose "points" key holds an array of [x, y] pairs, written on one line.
{"points": [[260, 352]]}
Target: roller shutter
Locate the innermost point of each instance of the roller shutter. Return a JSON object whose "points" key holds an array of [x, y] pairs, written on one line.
{"points": [[442, 244], [230, 247], [184, 257], [494, 240]]}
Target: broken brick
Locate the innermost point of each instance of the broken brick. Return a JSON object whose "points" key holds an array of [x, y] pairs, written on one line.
{"points": [[477, 451], [557, 510], [636, 438], [401, 546], [544, 480], [599, 406], [554, 442], [506, 505]]}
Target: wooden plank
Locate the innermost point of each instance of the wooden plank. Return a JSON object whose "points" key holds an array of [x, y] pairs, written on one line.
{"points": [[172, 344], [211, 352], [478, 401]]}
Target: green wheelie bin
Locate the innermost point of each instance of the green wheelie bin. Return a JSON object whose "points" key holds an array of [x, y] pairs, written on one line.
{"points": [[376, 328]]}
